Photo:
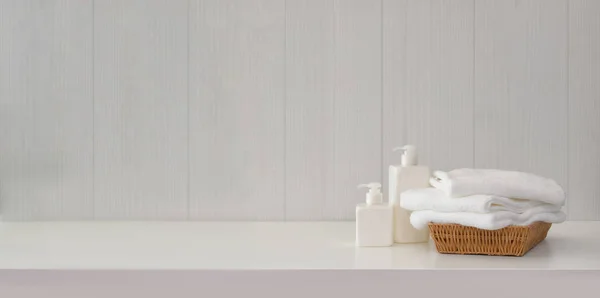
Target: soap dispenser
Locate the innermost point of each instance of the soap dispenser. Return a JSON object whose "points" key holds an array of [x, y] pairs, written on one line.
{"points": [[374, 219], [407, 175]]}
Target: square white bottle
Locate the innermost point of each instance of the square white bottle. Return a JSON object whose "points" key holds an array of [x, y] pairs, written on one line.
{"points": [[374, 219], [407, 175]]}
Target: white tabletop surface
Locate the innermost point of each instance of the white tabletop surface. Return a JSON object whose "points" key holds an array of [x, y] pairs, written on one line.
{"points": [[261, 245]]}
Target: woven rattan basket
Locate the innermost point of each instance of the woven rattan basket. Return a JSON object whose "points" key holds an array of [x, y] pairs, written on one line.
{"points": [[509, 241]]}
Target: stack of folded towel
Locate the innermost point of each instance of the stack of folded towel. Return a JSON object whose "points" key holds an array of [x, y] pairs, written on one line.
{"points": [[485, 199]]}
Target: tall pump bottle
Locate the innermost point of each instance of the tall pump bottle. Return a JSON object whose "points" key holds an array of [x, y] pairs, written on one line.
{"points": [[407, 175]]}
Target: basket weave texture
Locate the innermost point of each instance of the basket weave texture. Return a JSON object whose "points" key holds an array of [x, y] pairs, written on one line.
{"points": [[509, 241]]}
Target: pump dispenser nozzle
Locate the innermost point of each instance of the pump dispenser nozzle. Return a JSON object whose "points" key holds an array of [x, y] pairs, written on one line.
{"points": [[409, 155], [374, 195]]}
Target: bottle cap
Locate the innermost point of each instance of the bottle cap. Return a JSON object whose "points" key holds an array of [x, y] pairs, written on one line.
{"points": [[409, 155], [374, 195]]}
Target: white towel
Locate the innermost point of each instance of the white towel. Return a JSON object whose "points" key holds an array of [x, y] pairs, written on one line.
{"points": [[508, 184], [487, 221], [436, 200]]}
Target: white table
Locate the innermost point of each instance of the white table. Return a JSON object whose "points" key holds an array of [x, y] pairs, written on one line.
{"points": [[162, 255]]}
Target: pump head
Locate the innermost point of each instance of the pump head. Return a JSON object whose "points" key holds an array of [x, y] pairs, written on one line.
{"points": [[374, 195], [409, 155]]}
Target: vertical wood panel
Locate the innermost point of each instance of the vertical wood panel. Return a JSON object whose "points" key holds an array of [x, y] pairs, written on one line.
{"points": [[309, 108], [140, 109], [521, 86], [357, 103], [584, 110], [395, 22], [438, 106], [46, 110], [237, 123]]}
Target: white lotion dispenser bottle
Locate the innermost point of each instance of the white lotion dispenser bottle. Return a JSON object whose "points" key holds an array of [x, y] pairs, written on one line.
{"points": [[407, 175], [374, 219]]}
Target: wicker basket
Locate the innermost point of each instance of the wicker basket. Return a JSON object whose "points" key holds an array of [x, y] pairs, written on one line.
{"points": [[509, 241]]}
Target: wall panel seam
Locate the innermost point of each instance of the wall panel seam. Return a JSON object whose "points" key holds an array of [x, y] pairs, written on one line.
{"points": [[285, 98], [188, 110], [405, 77], [381, 83], [473, 84], [334, 95], [568, 83], [93, 83]]}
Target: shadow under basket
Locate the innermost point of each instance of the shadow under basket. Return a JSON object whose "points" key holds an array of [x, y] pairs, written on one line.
{"points": [[509, 241]]}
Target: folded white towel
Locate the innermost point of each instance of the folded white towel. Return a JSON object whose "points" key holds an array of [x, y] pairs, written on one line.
{"points": [[436, 200], [508, 184], [487, 221]]}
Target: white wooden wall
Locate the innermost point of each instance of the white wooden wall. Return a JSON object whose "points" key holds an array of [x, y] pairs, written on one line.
{"points": [[275, 110]]}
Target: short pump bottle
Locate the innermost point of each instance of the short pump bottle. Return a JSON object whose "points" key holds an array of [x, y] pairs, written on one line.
{"points": [[407, 175], [374, 219]]}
